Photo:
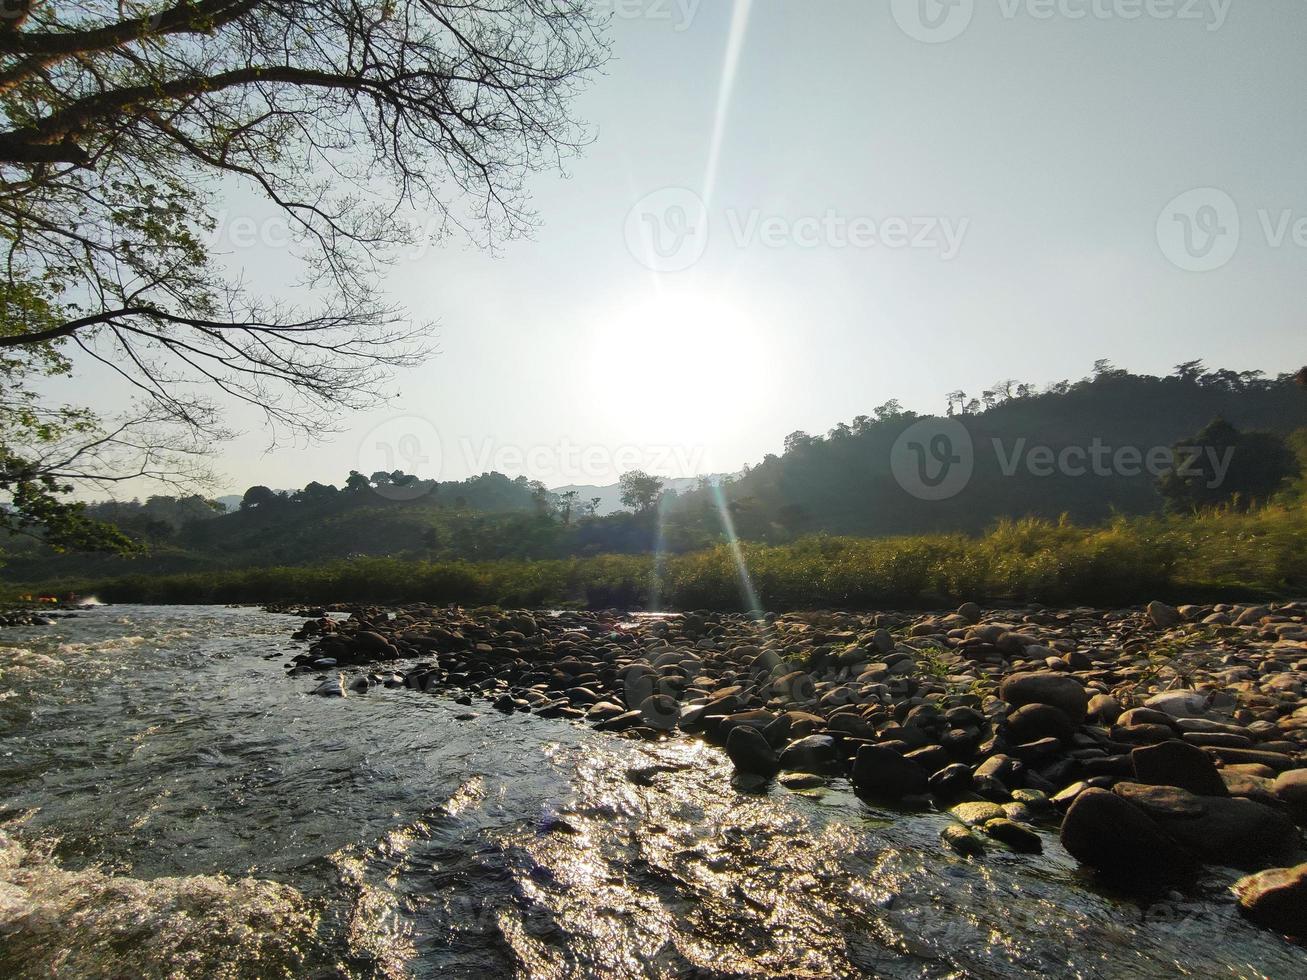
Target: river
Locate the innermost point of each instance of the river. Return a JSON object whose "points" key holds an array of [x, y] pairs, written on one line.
{"points": [[173, 804]]}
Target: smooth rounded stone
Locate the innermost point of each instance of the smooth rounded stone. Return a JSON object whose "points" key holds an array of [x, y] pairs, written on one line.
{"points": [[1039, 752], [1236, 832], [1251, 787], [1146, 716], [977, 813], [931, 758], [1065, 797], [333, 687], [883, 773], [1018, 812], [1178, 764], [962, 841], [1014, 835], [1046, 687], [604, 710], [623, 722], [1142, 734], [970, 611], [1251, 616], [1290, 788], [1275, 760], [660, 711], [1276, 899], [805, 723], [852, 724], [1208, 726], [1169, 802], [359, 684], [465, 716], [1122, 843], [1179, 704], [322, 663], [951, 780], [1032, 722], [373, 642], [801, 780], [1104, 708], [751, 753], [1163, 615], [811, 754], [1223, 740]]}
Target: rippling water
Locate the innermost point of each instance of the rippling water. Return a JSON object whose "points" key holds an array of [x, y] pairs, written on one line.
{"points": [[173, 804]]}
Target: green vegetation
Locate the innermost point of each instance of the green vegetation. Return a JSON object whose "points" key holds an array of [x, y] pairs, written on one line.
{"points": [[1127, 560]]}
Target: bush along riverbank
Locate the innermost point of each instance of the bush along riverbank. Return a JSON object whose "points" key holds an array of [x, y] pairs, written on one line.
{"points": [[1151, 741], [1217, 555]]}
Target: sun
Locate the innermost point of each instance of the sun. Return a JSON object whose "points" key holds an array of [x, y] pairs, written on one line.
{"points": [[678, 364]]}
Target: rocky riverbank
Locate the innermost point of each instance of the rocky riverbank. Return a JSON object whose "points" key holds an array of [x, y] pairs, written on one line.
{"points": [[1151, 741]]}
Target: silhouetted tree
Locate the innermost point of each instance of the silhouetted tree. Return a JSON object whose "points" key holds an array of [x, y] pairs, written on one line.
{"points": [[1221, 465], [639, 490]]}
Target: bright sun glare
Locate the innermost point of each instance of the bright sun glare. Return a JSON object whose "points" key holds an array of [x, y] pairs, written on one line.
{"points": [[670, 363]]}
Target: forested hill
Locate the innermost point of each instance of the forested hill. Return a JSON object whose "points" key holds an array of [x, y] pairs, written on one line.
{"points": [[849, 481], [844, 482]]}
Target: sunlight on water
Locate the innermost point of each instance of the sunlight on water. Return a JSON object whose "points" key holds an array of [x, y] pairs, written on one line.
{"points": [[89, 923]]}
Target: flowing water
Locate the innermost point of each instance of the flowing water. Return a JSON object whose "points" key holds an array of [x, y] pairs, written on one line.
{"points": [[173, 804]]}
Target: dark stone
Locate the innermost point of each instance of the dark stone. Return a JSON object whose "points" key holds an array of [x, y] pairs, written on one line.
{"points": [[881, 772], [1276, 899], [1031, 722], [1122, 843], [814, 754], [750, 752], [1046, 687], [1014, 835], [1178, 764], [1236, 833]]}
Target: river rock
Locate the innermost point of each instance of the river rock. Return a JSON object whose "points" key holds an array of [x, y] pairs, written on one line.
{"points": [[1047, 687], [1014, 835], [1236, 833], [962, 841], [1122, 843], [812, 754], [1179, 704], [1163, 802], [750, 751], [1276, 899], [1290, 788], [1178, 764], [1163, 615], [1032, 722], [883, 773]]}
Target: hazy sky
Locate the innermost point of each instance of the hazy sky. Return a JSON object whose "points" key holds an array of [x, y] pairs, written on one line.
{"points": [[894, 212]]}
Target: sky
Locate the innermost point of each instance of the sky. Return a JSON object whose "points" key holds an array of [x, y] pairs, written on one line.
{"points": [[796, 210]]}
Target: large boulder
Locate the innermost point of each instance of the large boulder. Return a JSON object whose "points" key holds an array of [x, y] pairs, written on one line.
{"points": [[1236, 833], [814, 753], [1178, 764], [1047, 687], [750, 751], [1122, 843], [1276, 899], [883, 773]]}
